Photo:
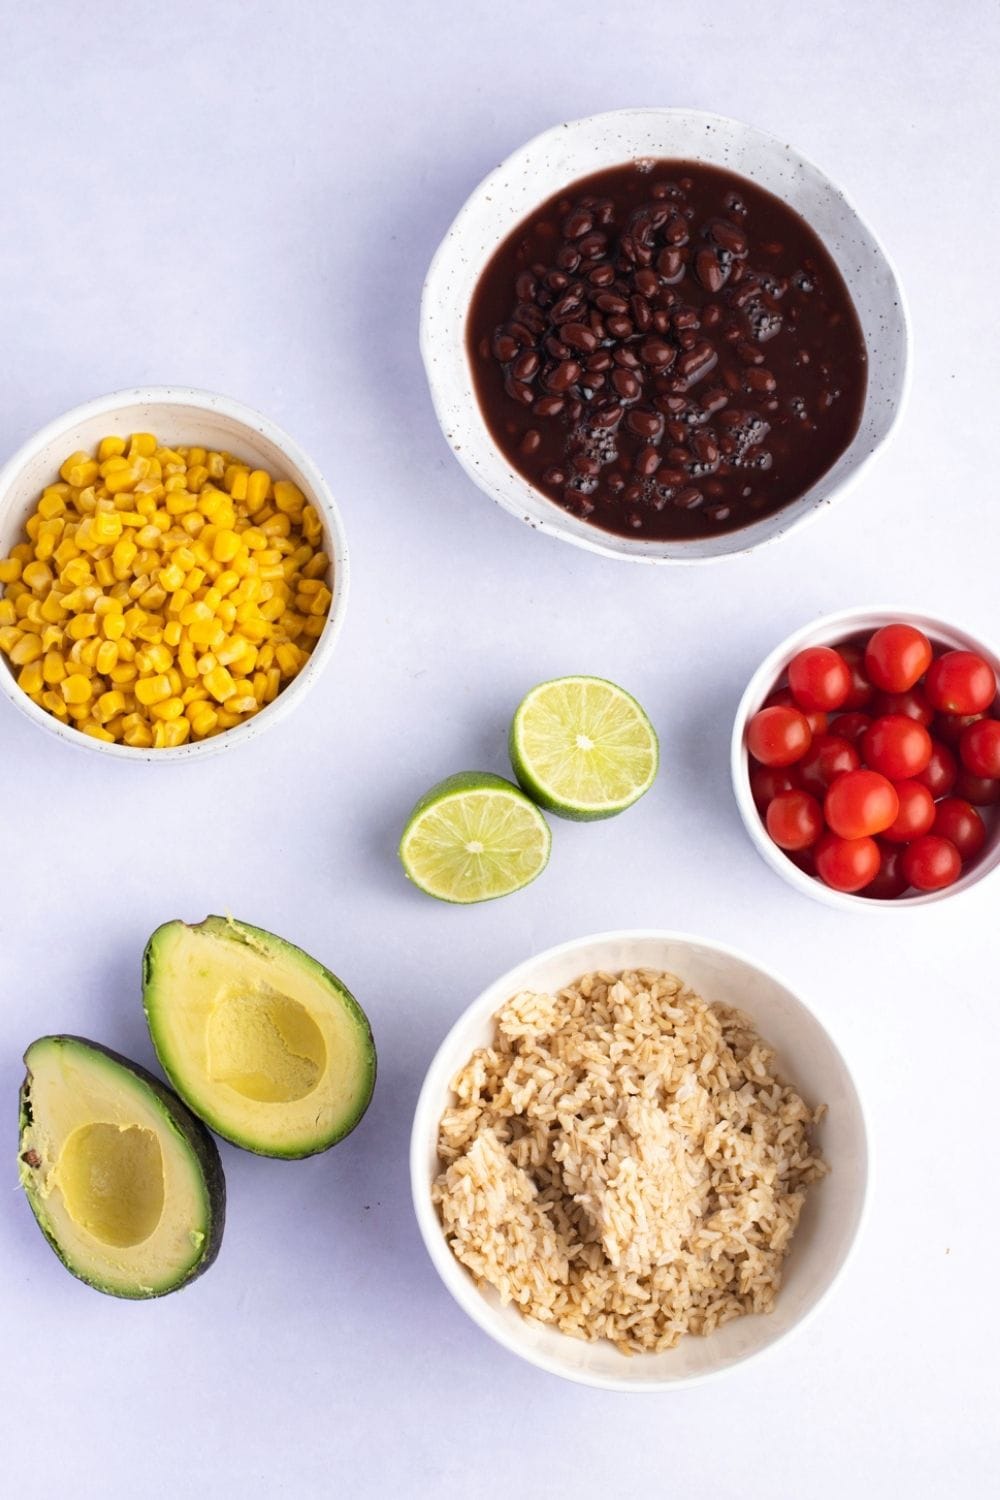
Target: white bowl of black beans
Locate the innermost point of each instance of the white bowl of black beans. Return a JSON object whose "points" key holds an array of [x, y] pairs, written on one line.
{"points": [[663, 335]]}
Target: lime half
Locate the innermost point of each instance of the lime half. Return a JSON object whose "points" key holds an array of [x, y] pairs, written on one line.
{"points": [[583, 747], [472, 837]]}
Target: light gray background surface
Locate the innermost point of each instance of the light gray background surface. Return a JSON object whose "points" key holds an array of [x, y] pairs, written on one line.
{"points": [[245, 197]]}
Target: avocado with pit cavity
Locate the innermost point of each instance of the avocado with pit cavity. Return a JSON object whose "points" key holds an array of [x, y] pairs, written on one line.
{"points": [[125, 1183], [262, 1042]]}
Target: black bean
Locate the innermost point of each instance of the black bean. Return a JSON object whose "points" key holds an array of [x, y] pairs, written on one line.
{"points": [[531, 442], [548, 406], [645, 424], [578, 224], [627, 384], [647, 462], [563, 376], [527, 365], [579, 336]]}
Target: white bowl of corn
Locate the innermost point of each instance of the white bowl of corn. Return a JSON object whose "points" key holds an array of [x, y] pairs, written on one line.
{"points": [[173, 574]]}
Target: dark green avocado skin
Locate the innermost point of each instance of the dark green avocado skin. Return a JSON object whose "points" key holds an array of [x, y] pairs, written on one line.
{"points": [[191, 1130]]}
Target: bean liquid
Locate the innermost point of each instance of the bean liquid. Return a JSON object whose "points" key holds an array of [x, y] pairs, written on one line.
{"points": [[666, 350]]}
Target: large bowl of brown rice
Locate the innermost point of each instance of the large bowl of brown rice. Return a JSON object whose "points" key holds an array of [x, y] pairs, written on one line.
{"points": [[639, 1160]]}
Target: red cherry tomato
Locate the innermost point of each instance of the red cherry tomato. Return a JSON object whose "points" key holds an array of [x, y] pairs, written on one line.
{"points": [[847, 864], [778, 736], [794, 820], [896, 657], [916, 813], [896, 746], [931, 863], [981, 790], [940, 772], [819, 677], [890, 881], [860, 695], [804, 858], [912, 705], [979, 748], [958, 821], [948, 727], [860, 803], [850, 726], [814, 717], [828, 756], [768, 782], [960, 682]]}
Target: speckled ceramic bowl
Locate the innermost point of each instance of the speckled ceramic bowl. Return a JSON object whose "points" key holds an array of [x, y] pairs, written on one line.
{"points": [[176, 414], [563, 155]]}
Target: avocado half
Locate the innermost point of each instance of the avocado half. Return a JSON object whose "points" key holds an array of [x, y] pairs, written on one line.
{"points": [[262, 1042], [125, 1183]]}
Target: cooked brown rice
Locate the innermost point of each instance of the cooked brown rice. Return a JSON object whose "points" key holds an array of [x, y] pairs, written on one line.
{"points": [[622, 1162]]}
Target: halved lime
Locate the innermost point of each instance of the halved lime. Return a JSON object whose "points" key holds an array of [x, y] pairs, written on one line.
{"points": [[583, 748], [472, 837]]}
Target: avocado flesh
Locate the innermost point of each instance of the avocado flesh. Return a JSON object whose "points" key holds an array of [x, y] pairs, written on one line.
{"points": [[126, 1185], [261, 1041]]}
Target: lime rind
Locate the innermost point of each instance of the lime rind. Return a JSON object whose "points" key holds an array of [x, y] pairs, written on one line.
{"points": [[474, 837], [583, 748]]}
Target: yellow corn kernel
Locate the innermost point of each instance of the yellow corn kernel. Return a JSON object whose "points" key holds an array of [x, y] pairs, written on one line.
{"points": [[142, 445], [138, 734], [171, 578], [313, 629], [152, 597], [82, 626], [187, 663], [216, 464], [10, 570], [245, 704], [202, 720], [37, 576], [31, 679], [113, 627], [225, 546], [312, 526], [178, 501], [227, 720], [149, 690], [258, 490], [124, 674], [52, 610], [110, 447], [53, 701], [148, 536], [121, 481], [227, 581], [197, 477], [210, 633], [107, 657], [172, 633], [104, 572], [72, 462], [27, 648], [169, 736], [51, 504], [150, 631], [9, 636], [106, 527], [289, 658], [288, 498], [53, 668], [276, 526], [259, 681], [226, 613], [23, 552], [76, 688], [96, 731], [8, 614], [194, 580], [220, 684], [108, 705], [236, 479], [170, 708], [320, 602]]}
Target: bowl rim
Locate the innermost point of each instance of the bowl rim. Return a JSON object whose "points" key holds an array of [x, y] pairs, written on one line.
{"points": [[553, 525], [848, 621], [434, 1091], [245, 416]]}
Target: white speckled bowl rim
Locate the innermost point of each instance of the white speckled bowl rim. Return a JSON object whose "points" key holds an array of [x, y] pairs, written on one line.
{"points": [[176, 414], [573, 150]]}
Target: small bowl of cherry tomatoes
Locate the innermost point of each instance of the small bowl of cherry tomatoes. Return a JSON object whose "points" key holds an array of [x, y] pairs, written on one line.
{"points": [[866, 759]]}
